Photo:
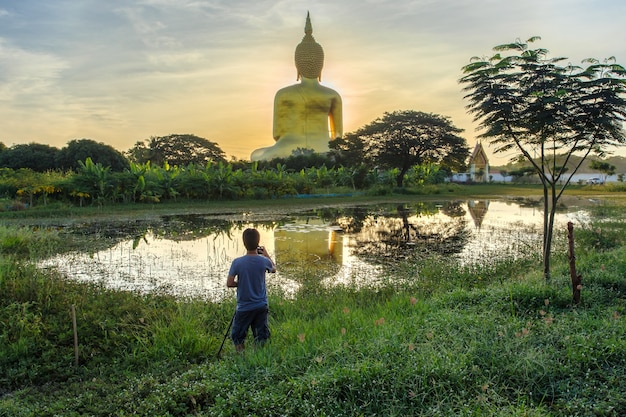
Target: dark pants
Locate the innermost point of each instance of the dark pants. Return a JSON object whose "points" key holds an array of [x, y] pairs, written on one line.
{"points": [[257, 319]]}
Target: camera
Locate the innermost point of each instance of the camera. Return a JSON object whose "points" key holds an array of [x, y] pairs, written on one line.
{"points": [[259, 250]]}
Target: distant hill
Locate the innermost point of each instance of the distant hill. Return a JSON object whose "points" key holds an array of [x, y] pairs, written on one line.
{"points": [[618, 161]]}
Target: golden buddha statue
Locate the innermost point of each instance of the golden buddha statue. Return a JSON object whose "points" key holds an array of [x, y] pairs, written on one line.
{"points": [[306, 115]]}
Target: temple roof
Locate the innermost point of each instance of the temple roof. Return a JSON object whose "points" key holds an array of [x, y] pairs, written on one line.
{"points": [[479, 156]]}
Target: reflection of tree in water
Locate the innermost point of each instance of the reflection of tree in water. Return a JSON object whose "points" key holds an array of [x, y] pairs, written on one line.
{"points": [[406, 234], [190, 227], [453, 209], [95, 236], [194, 226], [527, 202], [393, 231], [352, 219], [349, 219]]}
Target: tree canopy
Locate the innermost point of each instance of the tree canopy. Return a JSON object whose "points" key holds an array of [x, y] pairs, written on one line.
{"points": [[347, 150], [78, 150], [176, 150], [402, 139], [539, 108], [604, 167], [35, 156]]}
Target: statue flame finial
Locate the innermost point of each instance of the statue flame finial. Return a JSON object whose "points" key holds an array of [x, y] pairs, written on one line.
{"points": [[308, 28]]}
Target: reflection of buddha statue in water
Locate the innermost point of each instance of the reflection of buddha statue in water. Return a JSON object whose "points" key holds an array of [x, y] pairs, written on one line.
{"points": [[306, 115]]}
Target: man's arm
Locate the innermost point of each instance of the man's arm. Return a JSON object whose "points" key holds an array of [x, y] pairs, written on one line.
{"points": [[230, 281], [267, 255]]}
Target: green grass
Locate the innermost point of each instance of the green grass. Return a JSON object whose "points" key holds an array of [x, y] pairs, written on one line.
{"points": [[430, 340]]}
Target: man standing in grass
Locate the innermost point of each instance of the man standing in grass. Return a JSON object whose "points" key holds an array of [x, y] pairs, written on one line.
{"points": [[247, 274]]}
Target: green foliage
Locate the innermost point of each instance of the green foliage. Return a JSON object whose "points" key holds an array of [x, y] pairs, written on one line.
{"points": [[425, 174], [604, 167], [299, 160], [34, 156], [77, 150], [604, 232], [513, 348], [176, 150], [522, 173], [615, 187], [538, 107], [30, 187], [348, 150], [402, 139], [94, 184], [22, 243], [93, 181]]}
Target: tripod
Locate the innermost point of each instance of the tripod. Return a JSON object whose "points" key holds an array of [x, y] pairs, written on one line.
{"points": [[226, 335]]}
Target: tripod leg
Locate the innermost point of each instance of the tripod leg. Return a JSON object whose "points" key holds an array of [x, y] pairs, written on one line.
{"points": [[226, 335]]}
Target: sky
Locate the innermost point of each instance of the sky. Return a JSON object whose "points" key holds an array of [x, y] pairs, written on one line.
{"points": [[122, 71]]}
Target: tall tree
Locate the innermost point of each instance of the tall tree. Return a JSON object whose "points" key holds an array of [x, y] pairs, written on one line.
{"points": [[36, 156], [402, 139], [78, 150], [177, 150], [532, 104]]}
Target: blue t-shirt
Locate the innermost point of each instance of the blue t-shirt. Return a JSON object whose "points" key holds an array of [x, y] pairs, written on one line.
{"points": [[250, 272]]}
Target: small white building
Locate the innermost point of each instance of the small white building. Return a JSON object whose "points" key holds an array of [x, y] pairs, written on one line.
{"points": [[478, 167]]}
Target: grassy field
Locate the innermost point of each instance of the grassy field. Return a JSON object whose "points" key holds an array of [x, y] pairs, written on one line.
{"points": [[431, 340]]}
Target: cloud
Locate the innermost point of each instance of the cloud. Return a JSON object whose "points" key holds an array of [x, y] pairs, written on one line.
{"points": [[26, 76]]}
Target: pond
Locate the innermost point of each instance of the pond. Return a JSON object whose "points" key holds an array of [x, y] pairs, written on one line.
{"points": [[189, 255]]}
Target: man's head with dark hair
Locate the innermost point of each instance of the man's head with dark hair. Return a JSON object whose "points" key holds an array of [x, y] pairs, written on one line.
{"points": [[251, 239]]}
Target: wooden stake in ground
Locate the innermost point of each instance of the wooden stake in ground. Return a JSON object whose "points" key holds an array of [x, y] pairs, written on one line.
{"points": [[576, 278], [75, 335]]}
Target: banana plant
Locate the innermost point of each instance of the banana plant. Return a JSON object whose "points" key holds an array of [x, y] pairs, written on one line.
{"points": [[168, 180], [94, 180]]}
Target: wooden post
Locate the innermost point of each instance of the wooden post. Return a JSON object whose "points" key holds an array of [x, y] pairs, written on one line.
{"points": [[75, 335], [576, 278]]}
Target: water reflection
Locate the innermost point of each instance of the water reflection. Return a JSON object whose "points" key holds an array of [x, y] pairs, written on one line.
{"points": [[308, 240], [478, 210], [190, 255]]}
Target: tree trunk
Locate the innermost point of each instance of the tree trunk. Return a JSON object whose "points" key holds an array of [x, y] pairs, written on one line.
{"points": [[400, 177], [548, 228], [547, 233], [576, 278]]}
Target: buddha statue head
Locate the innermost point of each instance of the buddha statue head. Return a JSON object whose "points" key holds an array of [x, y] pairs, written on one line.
{"points": [[309, 56]]}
